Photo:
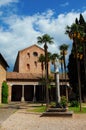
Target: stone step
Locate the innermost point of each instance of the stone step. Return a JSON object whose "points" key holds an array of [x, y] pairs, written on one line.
{"points": [[57, 110], [58, 114]]}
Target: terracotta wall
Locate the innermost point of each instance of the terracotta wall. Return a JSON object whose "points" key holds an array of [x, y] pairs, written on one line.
{"points": [[2, 76], [28, 60]]}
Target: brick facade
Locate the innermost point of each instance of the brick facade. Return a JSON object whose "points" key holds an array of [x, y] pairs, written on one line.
{"points": [[3, 66], [25, 82], [27, 60]]}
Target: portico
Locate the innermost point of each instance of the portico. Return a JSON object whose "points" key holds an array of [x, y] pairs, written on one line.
{"points": [[25, 90], [28, 87]]}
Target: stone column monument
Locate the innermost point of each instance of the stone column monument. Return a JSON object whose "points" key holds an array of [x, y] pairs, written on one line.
{"points": [[57, 81]]}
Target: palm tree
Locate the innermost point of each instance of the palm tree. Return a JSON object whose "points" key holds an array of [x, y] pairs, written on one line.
{"points": [[42, 60], [83, 42], [63, 50], [48, 61], [61, 63], [74, 32], [44, 40], [84, 55], [53, 58]]}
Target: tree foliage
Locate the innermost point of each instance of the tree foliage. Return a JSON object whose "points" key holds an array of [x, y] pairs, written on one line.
{"points": [[46, 39], [77, 31], [4, 92]]}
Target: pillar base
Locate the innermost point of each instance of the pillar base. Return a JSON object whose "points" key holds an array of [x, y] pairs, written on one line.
{"points": [[34, 99], [22, 99]]}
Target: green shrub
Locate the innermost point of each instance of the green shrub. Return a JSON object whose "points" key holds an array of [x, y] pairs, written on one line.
{"points": [[74, 103], [63, 101], [4, 92], [53, 104]]}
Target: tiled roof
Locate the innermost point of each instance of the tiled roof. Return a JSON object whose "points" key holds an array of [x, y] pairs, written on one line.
{"points": [[31, 47], [15, 75], [30, 76]]}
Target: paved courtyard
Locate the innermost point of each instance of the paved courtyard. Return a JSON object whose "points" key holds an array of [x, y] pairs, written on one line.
{"points": [[23, 120]]}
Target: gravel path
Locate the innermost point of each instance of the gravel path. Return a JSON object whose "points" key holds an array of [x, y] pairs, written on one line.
{"points": [[22, 120]]}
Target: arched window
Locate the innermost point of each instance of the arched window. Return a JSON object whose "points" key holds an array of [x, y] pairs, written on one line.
{"points": [[28, 54], [28, 66], [35, 62]]}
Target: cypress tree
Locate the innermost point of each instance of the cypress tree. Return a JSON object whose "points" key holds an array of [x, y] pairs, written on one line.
{"points": [[81, 20], [4, 92]]}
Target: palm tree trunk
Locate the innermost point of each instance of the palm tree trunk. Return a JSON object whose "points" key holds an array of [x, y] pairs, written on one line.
{"points": [[56, 84], [42, 69], [62, 70], [79, 83], [62, 76], [78, 72], [65, 77], [42, 81], [84, 53], [46, 76]]}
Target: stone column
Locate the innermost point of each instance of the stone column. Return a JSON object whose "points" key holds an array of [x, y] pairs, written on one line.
{"points": [[34, 94], [57, 81], [9, 92], [67, 86], [22, 98], [57, 87]]}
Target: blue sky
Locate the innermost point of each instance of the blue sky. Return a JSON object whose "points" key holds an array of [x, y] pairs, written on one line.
{"points": [[29, 7], [22, 21]]}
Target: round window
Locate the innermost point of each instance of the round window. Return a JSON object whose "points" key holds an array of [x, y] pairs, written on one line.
{"points": [[35, 53]]}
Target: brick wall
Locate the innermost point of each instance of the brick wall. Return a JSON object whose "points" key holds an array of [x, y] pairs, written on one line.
{"points": [[28, 60], [2, 76]]}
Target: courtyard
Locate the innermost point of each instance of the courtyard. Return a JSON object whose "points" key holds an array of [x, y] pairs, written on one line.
{"points": [[19, 118]]}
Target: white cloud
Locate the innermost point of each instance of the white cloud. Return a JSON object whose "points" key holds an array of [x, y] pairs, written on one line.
{"points": [[23, 32], [6, 2]]}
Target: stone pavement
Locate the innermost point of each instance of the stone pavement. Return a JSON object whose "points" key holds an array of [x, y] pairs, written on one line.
{"points": [[6, 110], [23, 120], [5, 113]]}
